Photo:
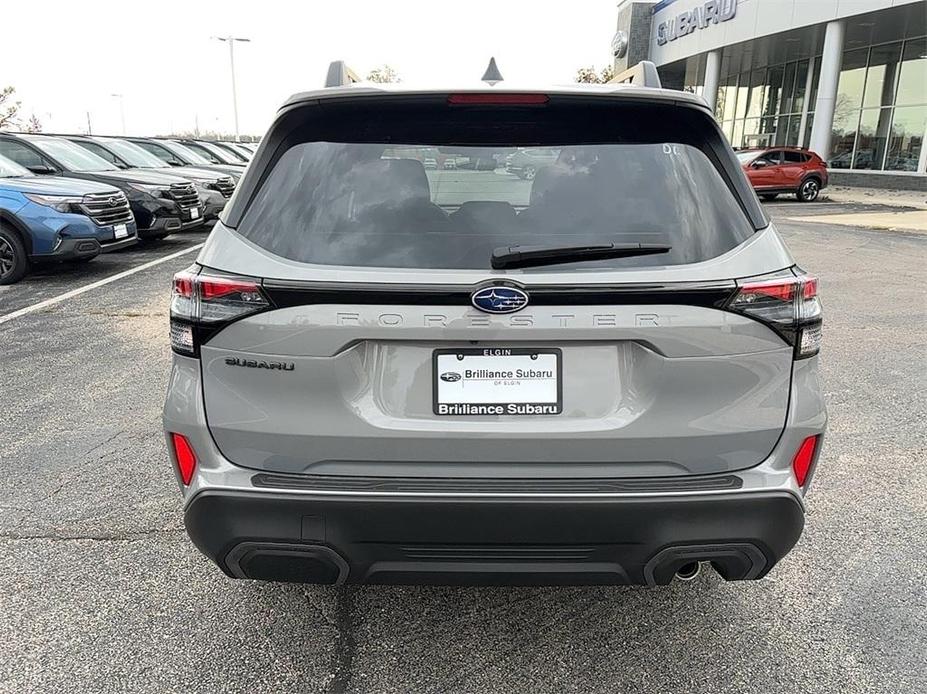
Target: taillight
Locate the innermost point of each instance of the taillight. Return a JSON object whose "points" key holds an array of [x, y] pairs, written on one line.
{"points": [[202, 303], [184, 456], [788, 303], [801, 464]]}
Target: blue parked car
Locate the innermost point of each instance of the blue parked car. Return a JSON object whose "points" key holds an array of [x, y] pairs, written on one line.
{"points": [[50, 219]]}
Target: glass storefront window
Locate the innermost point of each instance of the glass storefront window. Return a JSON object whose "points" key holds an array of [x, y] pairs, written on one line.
{"points": [[852, 78], [842, 139], [879, 114], [768, 128], [880, 79], [757, 90], [806, 143], [752, 133], [773, 90], [743, 92], [906, 138], [788, 85], [782, 131], [794, 124], [873, 135], [815, 79], [912, 83], [801, 81], [727, 96], [737, 137]]}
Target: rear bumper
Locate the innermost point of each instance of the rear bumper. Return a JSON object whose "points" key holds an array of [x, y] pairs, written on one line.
{"points": [[272, 535]]}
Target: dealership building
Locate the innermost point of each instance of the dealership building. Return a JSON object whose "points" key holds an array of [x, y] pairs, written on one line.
{"points": [[845, 78]]}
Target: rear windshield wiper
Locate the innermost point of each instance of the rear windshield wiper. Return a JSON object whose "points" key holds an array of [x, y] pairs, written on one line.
{"points": [[533, 256]]}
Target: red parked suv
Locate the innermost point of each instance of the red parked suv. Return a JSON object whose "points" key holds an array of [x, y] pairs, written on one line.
{"points": [[776, 170]]}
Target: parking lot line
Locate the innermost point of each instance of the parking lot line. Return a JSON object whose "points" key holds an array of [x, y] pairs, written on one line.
{"points": [[93, 285]]}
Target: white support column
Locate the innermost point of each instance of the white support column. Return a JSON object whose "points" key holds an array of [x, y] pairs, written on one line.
{"points": [[712, 78], [806, 107], [831, 61]]}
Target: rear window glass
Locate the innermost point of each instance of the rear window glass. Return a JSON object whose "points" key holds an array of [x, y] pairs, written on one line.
{"points": [[448, 207]]}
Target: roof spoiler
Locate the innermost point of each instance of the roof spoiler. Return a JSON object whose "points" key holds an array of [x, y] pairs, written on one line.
{"points": [[340, 75], [644, 74]]}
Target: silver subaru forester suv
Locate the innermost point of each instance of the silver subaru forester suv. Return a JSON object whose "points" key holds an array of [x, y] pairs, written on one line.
{"points": [[604, 374]]}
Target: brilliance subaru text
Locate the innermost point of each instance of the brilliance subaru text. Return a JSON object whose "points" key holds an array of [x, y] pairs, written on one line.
{"points": [[606, 373]]}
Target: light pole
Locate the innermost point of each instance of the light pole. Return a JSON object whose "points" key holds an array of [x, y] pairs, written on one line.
{"points": [[230, 40], [122, 110]]}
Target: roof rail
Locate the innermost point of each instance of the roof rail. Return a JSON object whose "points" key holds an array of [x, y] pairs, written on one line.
{"points": [[644, 74], [340, 75]]}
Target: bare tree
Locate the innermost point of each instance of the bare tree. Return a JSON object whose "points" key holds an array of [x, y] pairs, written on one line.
{"points": [[33, 125], [383, 75], [589, 75], [9, 109]]}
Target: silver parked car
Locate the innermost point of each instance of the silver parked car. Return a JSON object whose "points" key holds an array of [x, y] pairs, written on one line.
{"points": [[607, 374]]}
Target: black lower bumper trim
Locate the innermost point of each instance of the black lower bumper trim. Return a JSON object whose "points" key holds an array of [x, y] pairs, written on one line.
{"points": [[522, 541], [71, 248]]}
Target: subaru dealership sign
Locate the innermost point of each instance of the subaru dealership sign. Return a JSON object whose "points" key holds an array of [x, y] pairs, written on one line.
{"points": [[699, 17]]}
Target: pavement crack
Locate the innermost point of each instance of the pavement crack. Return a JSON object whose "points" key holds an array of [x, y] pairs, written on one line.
{"points": [[102, 537], [345, 641]]}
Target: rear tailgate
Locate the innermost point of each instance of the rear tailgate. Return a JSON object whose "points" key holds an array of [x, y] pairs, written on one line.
{"points": [[647, 390], [368, 263]]}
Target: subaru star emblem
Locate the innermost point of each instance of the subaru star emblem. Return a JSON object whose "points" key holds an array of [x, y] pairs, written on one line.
{"points": [[499, 299], [450, 376]]}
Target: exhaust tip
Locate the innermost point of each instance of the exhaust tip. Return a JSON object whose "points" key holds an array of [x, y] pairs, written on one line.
{"points": [[688, 572]]}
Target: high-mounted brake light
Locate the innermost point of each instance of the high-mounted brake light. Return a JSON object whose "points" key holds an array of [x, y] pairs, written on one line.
{"points": [[184, 457], [492, 99], [202, 304], [801, 464], [788, 303]]}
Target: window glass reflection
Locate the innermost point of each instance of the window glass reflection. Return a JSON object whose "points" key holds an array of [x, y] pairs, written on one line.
{"points": [[852, 78], [801, 81], [873, 135], [843, 137], [906, 138], [912, 84], [883, 71]]}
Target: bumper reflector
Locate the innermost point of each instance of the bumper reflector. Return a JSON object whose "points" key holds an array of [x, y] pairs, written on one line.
{"points": [[185, 457], [801, 464]]}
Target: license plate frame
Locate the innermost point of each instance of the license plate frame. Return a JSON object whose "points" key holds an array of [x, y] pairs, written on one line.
{"points": [[120, 231], [548, 405]]}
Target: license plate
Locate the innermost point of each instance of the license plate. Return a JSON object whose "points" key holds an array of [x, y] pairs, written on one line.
{"points": [[120, 231], [194, 213], [516, 381]]}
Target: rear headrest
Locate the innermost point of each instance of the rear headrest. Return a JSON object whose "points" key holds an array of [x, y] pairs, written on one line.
{"points": [[544, 180], [395, 179]]}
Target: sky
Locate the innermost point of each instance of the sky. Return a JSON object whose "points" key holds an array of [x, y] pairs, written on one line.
{"points": [[173, 76]]}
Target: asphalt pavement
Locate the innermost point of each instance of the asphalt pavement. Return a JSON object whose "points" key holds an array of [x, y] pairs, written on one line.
{"points": [[100, 591]]}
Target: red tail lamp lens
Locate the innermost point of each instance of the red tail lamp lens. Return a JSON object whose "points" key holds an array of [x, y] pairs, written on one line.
{"points": [[185, 457], [217, 288], [810, 288], [490, 99], [802, 461], [783, 291], [183, 285]]}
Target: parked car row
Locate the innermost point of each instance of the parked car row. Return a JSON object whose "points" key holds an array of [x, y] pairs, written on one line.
{"points": [[72, 197]]}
